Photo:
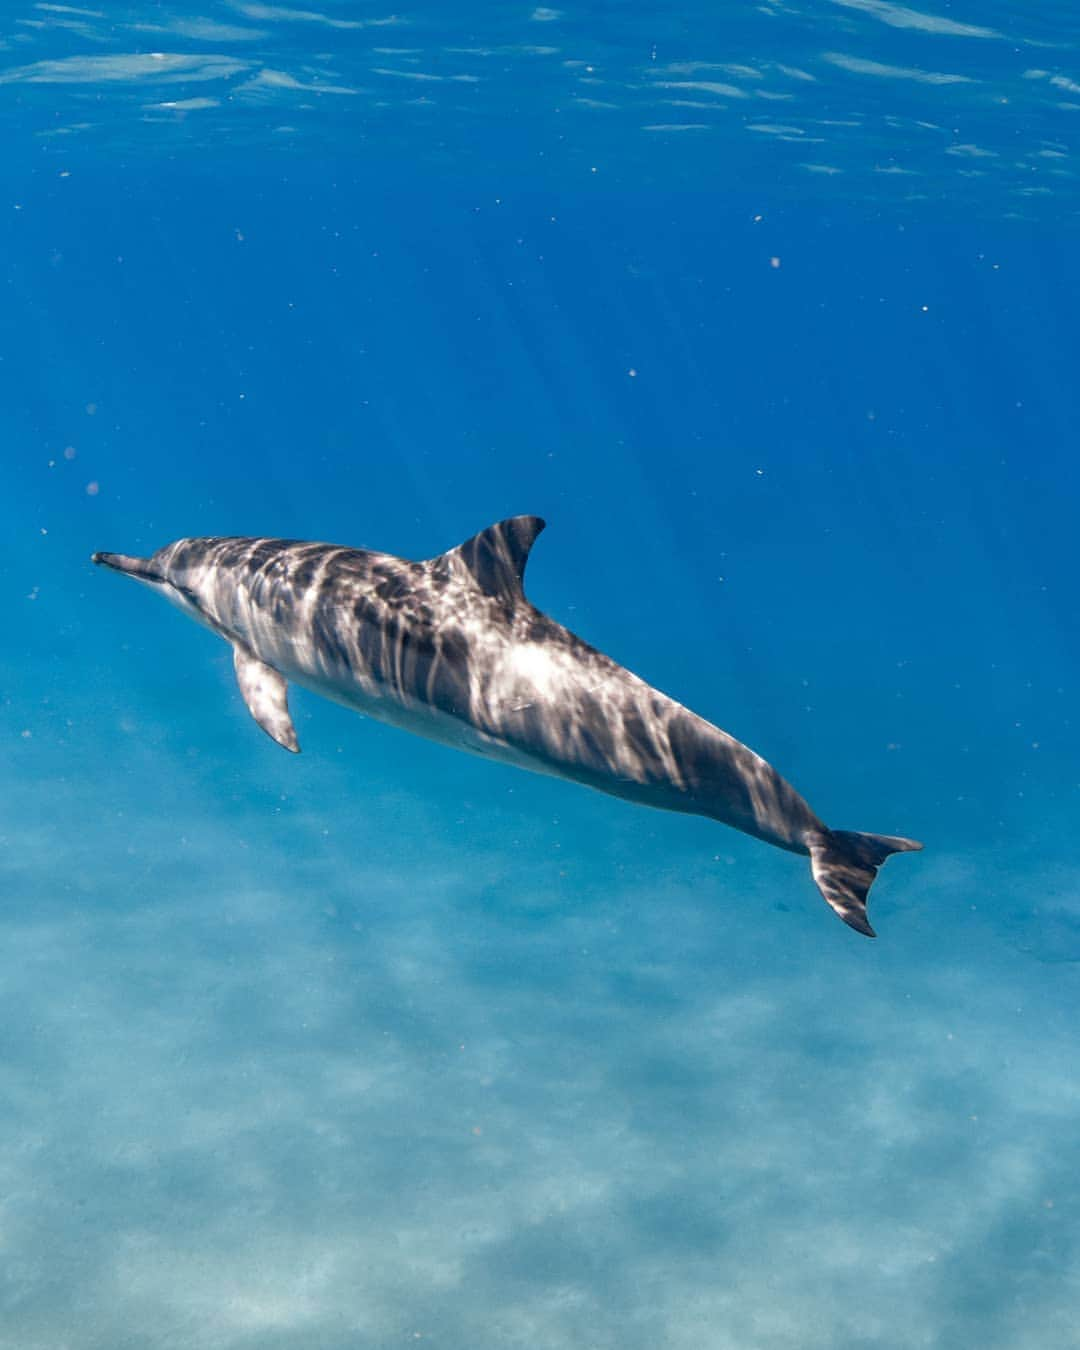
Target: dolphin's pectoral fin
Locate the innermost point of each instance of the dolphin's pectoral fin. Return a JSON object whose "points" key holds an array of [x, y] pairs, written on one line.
{"points": [[496, 557], [266, 695], [845, 863]]}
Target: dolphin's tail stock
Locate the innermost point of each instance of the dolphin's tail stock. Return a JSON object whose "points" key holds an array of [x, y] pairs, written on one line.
{"points": [[845, 863]]}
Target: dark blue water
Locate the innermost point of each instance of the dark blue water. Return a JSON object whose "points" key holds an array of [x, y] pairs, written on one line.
{"points": [[770, 313]]}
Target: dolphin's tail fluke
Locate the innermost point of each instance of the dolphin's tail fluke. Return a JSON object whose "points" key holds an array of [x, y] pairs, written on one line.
{"points": [[845, 863]]}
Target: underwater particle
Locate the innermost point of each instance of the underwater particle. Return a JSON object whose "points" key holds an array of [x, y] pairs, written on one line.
{"points": [[91, 409], [69, 452], [774, 263], [632, 373], [93, 488]]}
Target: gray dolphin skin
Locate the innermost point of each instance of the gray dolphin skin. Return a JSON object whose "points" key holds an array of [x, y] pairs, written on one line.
{"points": [[451, 649]]}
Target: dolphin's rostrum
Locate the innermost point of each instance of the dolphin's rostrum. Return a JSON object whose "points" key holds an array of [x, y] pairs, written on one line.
{"points": [[450, 648]]}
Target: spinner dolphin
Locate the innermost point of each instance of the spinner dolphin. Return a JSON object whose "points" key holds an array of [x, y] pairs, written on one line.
{"points": [[451, 649]]}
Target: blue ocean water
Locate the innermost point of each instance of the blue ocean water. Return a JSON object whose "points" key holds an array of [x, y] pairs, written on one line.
{"points": [[769, 311]]}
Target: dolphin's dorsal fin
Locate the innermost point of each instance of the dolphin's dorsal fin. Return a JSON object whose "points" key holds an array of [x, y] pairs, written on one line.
{"points": [[495, 558]]}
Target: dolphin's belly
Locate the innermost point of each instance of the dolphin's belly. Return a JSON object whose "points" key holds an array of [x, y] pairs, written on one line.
{"points": [[384, 703], [553, 706], [517, 703]]}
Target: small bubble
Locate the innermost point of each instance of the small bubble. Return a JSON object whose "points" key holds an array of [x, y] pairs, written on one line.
{"points": [[93, 488], [632, 373], [69, 452], [774, 263]]}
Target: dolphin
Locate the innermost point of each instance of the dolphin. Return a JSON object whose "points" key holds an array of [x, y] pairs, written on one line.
{"points": [[451, 649]]}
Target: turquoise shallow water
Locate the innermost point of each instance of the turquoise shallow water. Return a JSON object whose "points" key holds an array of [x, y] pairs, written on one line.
{"points": [[769, 313]]}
